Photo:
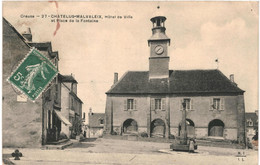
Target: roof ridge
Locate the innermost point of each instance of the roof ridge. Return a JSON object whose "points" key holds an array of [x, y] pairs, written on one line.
{"points": [[137, 71], [195, 70]]}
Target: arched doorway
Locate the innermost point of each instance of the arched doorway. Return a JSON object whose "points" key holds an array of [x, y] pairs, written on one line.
{"points": [[190, 128], [130, 126], [158, 128], [216, 128]]}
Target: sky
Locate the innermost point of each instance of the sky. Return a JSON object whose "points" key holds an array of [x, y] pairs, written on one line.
{"points": [[200, 33]]}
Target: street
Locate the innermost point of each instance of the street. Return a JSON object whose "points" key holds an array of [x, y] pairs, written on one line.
{"points": [[110, 151]]}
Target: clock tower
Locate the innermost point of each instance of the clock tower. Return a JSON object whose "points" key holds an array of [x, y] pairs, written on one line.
{"points": [[158, 43]]}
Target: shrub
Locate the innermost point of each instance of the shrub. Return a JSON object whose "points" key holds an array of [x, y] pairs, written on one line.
{"points": [[234, 141], [171, 136], [114, 133], [144, 134], [81, 138], [63, 136]]}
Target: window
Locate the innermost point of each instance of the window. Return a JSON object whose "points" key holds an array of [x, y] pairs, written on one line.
{"points": [[130, 104], [250, 122], [158, 104], [217, 104], [188, 104], [48, 95], [72, 104], [56, 93], [101, 121]]}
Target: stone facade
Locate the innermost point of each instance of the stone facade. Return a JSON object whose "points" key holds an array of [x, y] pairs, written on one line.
{"points": [[151, 102], [24, 121], [201, 114], [32, 124]]}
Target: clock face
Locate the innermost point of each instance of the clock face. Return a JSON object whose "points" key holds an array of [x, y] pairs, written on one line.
{"points": [[158, 49]]}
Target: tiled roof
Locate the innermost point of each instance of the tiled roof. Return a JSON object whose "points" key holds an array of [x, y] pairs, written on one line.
{"points": [[180, 81], [19, 35], [94, 119]]}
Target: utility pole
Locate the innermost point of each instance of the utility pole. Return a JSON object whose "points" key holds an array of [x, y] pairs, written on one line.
{"points": [[183, 125]]}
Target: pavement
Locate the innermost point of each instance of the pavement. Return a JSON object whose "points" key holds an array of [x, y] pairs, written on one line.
{"points": [[117, 152]]}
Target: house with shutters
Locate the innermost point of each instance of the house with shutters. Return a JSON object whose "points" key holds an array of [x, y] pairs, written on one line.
{"points": [[251, 124], [151, 101], [71, 106], [95, 125]]}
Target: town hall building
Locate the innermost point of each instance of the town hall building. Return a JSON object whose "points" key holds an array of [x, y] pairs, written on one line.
{"points": [[151, 101]]}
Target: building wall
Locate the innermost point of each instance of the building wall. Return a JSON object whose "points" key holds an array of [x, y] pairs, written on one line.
{"points": [[22, 121], [65, 110], [201, 114], [95, 132]]}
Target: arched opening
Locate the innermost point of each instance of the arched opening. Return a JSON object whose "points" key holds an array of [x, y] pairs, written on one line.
{"points": [[190, 128], [216, 128], [130, 126], [158, 128]]}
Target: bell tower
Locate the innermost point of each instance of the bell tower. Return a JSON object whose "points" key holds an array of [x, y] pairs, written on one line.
{"points": [[158, 43]]}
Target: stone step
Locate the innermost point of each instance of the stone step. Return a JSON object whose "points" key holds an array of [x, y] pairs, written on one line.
{"points": [[57, 146], [219, 144], [58, 142]]}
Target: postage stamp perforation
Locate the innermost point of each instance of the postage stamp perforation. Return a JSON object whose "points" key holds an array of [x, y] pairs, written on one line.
{"points": [[21, 62]]}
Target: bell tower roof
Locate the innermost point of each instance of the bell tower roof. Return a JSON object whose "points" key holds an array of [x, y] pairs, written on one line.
{"points": [[158, 29]]}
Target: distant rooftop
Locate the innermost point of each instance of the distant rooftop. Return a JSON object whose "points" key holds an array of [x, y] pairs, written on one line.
{"points": [[67, 78]]}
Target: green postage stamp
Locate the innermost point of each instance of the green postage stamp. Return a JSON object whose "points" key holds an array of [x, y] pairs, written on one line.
{"points": [[33, 74]]}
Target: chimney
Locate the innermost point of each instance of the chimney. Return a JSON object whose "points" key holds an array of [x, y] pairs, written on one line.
{"points": [[90, 111], [232, 78], [27, 34], [115, 78]]}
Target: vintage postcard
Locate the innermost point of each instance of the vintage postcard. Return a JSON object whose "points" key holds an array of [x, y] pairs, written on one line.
{"points": [[123, 82]]}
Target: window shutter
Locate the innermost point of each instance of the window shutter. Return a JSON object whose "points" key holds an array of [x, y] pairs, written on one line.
{"points": [[135, 104], [163, 103], [211, 104], [180, 104], [125, 104], [222, 103], [191, 104], [152, 105]]}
